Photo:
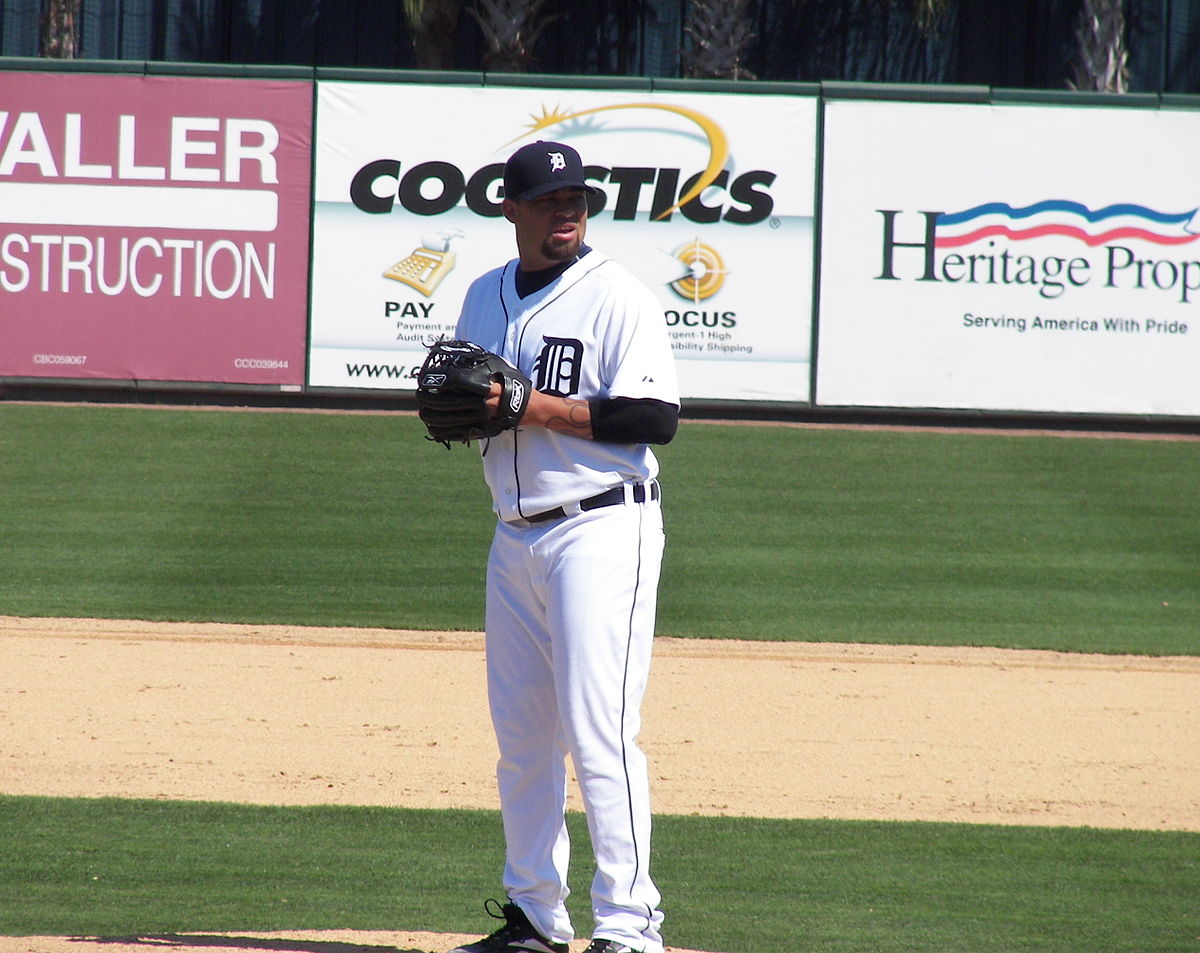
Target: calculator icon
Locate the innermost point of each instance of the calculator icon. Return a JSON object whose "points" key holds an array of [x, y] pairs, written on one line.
{"points": [[424, 269]]}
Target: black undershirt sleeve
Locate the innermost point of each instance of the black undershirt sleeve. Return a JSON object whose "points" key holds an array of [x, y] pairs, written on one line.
{"points": [[631, 420]]}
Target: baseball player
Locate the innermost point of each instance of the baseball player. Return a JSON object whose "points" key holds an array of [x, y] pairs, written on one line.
{"points": [[573, 570]]}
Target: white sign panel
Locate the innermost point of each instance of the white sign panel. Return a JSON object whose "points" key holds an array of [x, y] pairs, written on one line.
{"points": [[1017, 258], [708, 198]]}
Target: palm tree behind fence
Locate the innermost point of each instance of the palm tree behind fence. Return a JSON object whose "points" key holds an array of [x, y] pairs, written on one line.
{"points": [[715, 40]]}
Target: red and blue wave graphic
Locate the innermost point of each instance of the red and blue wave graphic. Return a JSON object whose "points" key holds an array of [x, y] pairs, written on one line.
{"points": [[1067, 219]]}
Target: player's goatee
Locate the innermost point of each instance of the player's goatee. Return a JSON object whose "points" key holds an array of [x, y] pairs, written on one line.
{"points": [[556, 250]]}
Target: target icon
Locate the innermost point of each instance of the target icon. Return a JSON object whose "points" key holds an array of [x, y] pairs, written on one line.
{"points": [[705, 271]]}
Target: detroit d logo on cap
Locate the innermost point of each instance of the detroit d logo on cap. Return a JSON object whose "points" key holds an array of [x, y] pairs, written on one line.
{"points": [[557, 161]]}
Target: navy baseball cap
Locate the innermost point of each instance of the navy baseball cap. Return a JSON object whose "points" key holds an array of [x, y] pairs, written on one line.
{"points": [[542, 167]]}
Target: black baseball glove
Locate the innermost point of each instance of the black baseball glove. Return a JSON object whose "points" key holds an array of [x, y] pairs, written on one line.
{"points": [[453, 385]]}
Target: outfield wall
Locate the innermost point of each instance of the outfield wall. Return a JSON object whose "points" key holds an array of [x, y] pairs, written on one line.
{"points": [[833, 246]]}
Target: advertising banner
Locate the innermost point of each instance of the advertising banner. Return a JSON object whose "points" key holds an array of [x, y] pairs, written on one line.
{"points": [[154, 228], [1010, 258], [708, 198]]}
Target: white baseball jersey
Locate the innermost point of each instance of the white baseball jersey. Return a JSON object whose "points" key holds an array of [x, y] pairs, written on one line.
{"points": [[594, 332]]}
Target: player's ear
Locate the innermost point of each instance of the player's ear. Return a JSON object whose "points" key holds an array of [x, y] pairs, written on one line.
{"points": [[508, 207]]}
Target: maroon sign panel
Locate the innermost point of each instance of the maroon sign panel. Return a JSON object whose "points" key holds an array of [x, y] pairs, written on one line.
{"points": [[154, 228]]}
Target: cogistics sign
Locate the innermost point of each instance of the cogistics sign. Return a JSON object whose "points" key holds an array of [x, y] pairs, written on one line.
{"points": [[153, 227], [748, 201], [1002, 281], [691, 197]]}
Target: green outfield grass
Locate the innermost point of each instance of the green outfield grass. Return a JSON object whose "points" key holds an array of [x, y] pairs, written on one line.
{"points": [[774, 533], [777, 533], [119, 868]]}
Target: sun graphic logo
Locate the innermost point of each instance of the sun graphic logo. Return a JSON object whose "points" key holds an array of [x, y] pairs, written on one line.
{"points": [[705, 272]]}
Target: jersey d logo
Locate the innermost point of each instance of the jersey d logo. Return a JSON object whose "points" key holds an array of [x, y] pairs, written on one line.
{"points": [[559, 366]]}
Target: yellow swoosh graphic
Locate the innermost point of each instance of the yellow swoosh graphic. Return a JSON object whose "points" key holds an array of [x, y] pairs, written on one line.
{"points": [[718, 143]]}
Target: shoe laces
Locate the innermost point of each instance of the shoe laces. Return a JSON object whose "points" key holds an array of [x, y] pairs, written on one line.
{"points": [[516, 924]]}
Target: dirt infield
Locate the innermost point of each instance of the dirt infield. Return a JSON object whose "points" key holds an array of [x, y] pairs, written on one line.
{"points": [[284, 715], [311, 941]]}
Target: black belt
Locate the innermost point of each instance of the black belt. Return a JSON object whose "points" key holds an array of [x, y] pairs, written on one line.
{"points": [[607, 498]]}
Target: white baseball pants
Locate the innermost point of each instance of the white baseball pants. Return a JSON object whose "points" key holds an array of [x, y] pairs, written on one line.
{"points": [[570, 626]]}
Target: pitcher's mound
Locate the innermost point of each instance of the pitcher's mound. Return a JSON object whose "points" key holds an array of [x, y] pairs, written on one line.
{"points": [[292, 941]]}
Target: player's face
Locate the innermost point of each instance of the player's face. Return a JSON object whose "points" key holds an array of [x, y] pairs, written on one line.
{"points": [[550, 228]]}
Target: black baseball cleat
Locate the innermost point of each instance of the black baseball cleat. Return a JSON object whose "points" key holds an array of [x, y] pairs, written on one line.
{"points": [[516, 936], [609, 946]]}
